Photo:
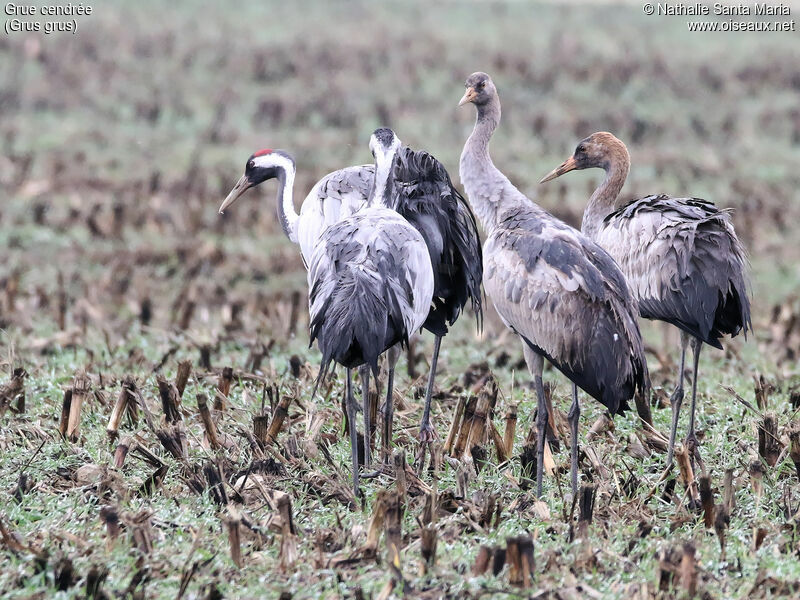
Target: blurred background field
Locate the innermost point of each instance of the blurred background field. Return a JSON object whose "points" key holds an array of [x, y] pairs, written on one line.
{"points": [[120, 142]]}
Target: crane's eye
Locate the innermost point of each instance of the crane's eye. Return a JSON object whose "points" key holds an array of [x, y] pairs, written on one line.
{"points": [[481, 85], [581, 149], [251, 164]]}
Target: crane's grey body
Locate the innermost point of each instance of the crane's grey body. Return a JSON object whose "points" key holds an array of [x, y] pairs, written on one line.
{"points": [[681, 257], [559, 291], [370, 279], [565, 297], [683, 263], [336, 196], [371, 285]]}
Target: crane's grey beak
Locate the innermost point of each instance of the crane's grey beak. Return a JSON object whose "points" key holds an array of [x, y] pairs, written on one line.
{"points": [[240, 188], [468, 96], [565, 167]]}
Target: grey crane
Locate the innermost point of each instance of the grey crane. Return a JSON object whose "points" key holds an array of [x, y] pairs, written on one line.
{"points": [[370, 287], [335, 197], [681, 257], [421, 191], [561, 293]]}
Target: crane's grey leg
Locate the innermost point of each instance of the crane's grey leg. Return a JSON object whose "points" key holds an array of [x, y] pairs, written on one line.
{"points": [[677, 399], [691, 439], [427, 433], [351, 416], [573, 417], [536, 366], [367, 415], [392, 356]]}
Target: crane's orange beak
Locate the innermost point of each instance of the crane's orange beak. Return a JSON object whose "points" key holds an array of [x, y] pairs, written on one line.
{"points": [[240, 188], [468, 96], [565, 167]]}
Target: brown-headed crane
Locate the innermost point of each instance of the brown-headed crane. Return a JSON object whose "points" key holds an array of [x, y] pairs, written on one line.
{"points": [[681, 258]]}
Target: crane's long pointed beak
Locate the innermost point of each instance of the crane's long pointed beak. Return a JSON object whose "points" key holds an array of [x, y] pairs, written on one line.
{"points": [[565, 167], [468, 96], [240, 188]]}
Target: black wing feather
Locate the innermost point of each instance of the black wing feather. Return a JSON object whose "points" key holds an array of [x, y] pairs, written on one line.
{"points": [[426, 197]]}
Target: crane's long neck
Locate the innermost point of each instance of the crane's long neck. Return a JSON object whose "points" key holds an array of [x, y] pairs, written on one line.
{"points": [[604, 199], [383, 189], [286, 212], [477, 171]]}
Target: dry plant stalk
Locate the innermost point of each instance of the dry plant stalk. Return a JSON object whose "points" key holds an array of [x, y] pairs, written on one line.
{"points": [[762, 389], [376, 522], [455, 426], [794, 449], [110, 516], [428, 542], [121, 451], [281, 412], [643, 408], [182, 376], [510, 431], [173, 438], [63, 301], [125, 404], [466, 426], [759, 534], [170, 400], [15, 388], [721, 521], [142, 532], [66, 404], [601, 425], [154, 481], [707, 501], [519, 556], [499, 444], [756, 472], [399, 460], [288, 551], [294, 314], [552, 432], [685, 466], [80, 390], [208, 422], [393, 522], [482, 560], [261, 429], [688, 569], [232, 524], [223, 388], [769, 444], [478, 423]]}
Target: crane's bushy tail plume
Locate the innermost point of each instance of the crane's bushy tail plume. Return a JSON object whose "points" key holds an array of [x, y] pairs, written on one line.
{"points": [[360, 319], [426, 197]]}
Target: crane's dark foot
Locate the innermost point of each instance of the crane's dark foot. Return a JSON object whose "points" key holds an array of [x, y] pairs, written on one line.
{"points": [[427, 433]]}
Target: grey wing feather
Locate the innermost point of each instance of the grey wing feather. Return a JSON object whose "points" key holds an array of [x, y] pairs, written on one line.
{"points": [[684, 264], [565, 296], [343, 182]]}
